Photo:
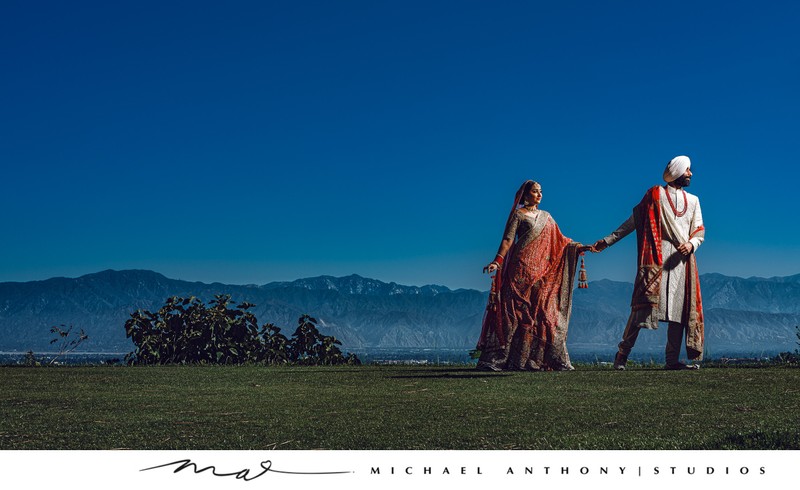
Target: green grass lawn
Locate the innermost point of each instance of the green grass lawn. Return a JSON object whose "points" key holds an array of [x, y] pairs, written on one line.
{"points": [[404, 407]]}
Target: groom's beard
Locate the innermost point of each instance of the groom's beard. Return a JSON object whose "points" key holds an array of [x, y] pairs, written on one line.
{"points": [[683, 181]]}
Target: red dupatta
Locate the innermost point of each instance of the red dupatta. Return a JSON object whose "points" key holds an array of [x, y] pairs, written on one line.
{"points": [[647, 286]]}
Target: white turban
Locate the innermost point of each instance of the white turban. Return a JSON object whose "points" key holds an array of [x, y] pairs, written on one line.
{"points": [[676, 168]]}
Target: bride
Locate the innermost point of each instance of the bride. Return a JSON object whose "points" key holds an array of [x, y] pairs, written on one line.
{"points": [[526, 320]]}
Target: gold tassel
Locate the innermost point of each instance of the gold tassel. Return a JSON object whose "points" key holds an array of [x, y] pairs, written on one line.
{"points": [[582, 284]]}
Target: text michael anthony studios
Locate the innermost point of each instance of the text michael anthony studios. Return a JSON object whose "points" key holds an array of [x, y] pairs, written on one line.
{"points": [[567, 471]]}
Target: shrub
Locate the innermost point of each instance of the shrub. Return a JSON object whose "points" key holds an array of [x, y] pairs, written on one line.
{"points": [[187, 331]]}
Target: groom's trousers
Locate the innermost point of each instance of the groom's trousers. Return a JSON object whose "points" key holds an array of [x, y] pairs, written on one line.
{"points": [[675, 334]]}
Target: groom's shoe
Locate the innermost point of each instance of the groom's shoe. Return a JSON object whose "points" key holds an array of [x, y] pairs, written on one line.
{"points": [[681, 367], [619, 362]]}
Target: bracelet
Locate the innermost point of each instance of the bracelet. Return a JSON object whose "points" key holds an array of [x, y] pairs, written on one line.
{"points": [[498, 259]]}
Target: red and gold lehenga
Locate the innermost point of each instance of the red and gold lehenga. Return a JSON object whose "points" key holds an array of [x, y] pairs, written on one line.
{"points": [[526, 321]]}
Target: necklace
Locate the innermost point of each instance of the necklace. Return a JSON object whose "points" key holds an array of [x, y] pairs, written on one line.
{"points": [[672, 204], [531, 212]]}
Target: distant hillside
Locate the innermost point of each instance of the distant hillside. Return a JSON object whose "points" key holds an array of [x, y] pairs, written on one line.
{"points": [[751, 315]]}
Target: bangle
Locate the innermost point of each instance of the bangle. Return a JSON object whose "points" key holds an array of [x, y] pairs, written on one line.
{"points": [[498, 259]]}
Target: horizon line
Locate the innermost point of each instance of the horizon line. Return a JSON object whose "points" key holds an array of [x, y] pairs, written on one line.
{"points": [[347, 276]]}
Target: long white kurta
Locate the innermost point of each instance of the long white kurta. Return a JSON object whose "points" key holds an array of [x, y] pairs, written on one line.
{"points": [[673, 305]]}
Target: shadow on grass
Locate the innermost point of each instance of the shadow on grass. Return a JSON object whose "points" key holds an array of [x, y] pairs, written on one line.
{"points": [[760, 440], [303, 370], [440, 370], [451, 373]]}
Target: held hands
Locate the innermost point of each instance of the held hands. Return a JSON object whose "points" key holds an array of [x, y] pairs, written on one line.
{"points": [[599, 246], [596, 247]]}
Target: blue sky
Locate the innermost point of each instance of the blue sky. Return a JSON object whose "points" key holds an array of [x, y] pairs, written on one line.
{"points": [[249, 142]]}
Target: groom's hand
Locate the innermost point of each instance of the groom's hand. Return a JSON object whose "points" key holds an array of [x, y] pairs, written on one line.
{"points": [[686, 248], [599, 246]]}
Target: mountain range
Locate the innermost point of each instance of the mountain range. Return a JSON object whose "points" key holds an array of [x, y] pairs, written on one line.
{"points": [[753, 315]]}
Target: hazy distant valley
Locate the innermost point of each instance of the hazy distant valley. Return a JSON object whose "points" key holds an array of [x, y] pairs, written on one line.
{"points": [[754, 316]]}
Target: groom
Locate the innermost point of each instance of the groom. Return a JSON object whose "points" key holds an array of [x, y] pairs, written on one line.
{"points": [[669, 229]]}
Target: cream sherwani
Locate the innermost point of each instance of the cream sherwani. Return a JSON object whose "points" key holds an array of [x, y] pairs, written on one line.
{"points": [[676, 230]]}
